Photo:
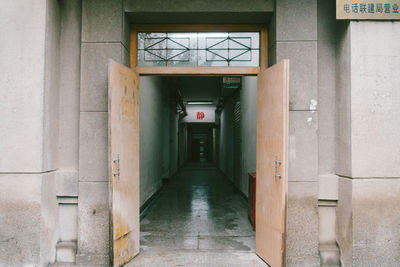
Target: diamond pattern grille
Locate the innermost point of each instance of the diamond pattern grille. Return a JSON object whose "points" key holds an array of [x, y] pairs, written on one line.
{"points": [[199, 49]]}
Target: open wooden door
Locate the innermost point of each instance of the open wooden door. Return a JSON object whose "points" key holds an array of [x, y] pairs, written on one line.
{"points": [[272, 163], [123, 139]]}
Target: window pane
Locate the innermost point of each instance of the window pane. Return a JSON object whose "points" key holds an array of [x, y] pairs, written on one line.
{"points": [[246, 61]]}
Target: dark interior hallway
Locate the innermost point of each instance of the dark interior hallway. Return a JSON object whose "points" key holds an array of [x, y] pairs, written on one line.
{"points": [[199, 219]]}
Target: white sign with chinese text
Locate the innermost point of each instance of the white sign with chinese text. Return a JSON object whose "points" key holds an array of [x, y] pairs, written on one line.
{"points": [[368, 10], [200, 113]]}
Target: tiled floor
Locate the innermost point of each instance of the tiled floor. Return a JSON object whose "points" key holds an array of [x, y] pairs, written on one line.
{"points": [[198, 220]]}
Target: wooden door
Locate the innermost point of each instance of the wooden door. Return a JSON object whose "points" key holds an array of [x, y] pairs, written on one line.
{"points": [[272, 163], [123, 138]]}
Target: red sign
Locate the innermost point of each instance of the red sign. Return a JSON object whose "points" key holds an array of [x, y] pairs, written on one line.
{"points": [[200, 115]]}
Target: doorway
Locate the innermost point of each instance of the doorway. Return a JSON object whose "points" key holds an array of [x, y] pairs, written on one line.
{"points": [[272, 127], [200, 212]]}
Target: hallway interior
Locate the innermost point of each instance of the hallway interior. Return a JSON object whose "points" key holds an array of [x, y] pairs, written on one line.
{"points": [[199, 219]]}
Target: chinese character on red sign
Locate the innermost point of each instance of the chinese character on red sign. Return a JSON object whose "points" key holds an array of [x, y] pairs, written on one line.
{"points": [[200, 115]]}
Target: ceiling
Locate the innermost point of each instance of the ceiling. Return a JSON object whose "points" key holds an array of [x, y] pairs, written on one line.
{"points": [[202, 88], [199, 11], [200, 128]]}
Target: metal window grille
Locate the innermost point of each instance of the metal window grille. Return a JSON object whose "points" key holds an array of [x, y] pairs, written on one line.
{"points": [[199, 49]]}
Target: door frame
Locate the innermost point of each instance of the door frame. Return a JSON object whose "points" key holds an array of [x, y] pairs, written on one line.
{"points": [[200, 71]]}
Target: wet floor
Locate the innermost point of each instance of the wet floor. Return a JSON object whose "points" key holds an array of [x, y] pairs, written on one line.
{"points": [[198, 220]]}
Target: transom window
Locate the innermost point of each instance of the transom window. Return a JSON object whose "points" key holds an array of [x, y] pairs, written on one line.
{"points": [[223, 49]]}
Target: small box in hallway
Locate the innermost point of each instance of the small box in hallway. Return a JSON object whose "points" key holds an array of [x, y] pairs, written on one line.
{"points": [[252, 199]]}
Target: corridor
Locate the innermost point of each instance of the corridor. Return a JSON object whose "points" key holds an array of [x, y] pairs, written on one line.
{"points": [[199, 219]]}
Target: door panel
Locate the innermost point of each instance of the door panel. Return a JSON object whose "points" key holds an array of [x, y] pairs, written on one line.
{"points": [[272, 163], [123, 107]]}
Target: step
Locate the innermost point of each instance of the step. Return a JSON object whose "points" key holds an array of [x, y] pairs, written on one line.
{"points": [[330, 255], [66, 251]]}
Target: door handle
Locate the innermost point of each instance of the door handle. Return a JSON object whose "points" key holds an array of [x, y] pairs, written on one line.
{"points": [[277, 164]]}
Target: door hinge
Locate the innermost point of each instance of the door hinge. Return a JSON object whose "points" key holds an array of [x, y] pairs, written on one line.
{"points": [[277, 164], [116, 168]]}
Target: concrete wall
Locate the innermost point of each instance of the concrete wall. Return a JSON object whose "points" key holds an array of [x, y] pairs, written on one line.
{"points": [[343, 152], [326, 57], [248, 126], [51, 85], [293, 36], [173, 139], [68, 133], [199, 11], [55, 112], [375, 115], [49, 205], [214, 146], [70, 57], [343, 100], [369, 183], [166, 122], [153, 128], [182, 144], [30, 167], [327, 178], [20, 203], [225, 156], [105, 35], [22, 118], [225, 134], [248, 109]]}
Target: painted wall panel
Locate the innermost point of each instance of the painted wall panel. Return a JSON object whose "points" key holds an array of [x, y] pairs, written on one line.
{"points": [[153, 128], [248, 100]]}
